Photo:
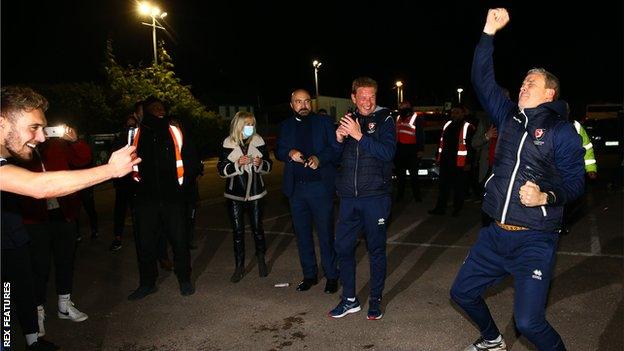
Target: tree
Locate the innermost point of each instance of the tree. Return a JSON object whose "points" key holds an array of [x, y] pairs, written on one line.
{"points": [[127, 85]]}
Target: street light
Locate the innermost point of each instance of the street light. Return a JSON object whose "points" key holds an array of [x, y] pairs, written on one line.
{"points": [[316, 64], [399, 86], [459, 91], [147, 9]]}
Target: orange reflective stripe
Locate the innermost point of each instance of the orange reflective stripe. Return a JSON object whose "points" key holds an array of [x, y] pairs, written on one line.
{"points": [[176, 135]]}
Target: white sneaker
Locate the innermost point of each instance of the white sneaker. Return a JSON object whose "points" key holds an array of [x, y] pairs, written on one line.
{"points": [[72, 313], [40, 320], [484, 345]]}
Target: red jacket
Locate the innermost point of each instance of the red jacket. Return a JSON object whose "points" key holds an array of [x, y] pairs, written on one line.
{"points": [[57, 155]]}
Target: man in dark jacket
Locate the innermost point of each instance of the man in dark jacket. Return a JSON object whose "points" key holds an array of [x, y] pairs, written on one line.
{"points": [[410, 143], [159, 198], [366, 141], [305, 146], [538, 168], [454, 155]]}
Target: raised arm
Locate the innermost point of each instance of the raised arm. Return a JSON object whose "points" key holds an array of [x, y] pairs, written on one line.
{"points": [[42, 185], [491, 96]]}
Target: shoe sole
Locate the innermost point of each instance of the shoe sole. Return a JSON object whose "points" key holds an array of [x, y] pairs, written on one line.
{"points": [[81, 319], [349, 311], [373, 318]]}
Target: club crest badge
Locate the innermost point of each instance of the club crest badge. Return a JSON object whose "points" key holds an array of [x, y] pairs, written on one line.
{"points": [[371, 127], [539, 133]]}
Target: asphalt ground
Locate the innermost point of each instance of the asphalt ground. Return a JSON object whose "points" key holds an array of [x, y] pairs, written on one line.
{"points": [[586, 302]]}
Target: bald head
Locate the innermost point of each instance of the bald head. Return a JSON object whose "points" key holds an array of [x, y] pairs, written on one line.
{"points": [[301, 102]]}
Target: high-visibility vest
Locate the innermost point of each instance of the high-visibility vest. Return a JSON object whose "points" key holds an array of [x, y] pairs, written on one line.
{"points": [[590, 160], [406, 130], [462, 150], [176, 135]]}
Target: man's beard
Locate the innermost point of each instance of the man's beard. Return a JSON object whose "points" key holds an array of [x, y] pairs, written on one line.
{"points": [[12, 144], [299, 114]]}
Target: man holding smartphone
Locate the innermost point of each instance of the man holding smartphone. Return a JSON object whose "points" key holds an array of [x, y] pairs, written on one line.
{"points": [[22, 121]]}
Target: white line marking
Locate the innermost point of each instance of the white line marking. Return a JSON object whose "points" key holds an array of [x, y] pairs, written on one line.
{"points": [[462, 247]]}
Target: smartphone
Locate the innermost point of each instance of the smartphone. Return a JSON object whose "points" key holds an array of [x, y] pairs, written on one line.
{"points": [[54, 132]]}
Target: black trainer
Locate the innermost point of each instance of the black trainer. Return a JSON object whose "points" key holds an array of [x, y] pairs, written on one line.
{"points": [[331, 286], [306, 284], [187, 289], [141, 292], [42, 345], [116, 245]]}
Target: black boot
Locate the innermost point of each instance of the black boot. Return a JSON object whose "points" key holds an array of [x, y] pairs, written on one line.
{"points": [[239, 258], [263, 270]]}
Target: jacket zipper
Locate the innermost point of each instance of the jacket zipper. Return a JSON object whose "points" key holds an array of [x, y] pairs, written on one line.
{"points": [[513, 174], [357, 158]]}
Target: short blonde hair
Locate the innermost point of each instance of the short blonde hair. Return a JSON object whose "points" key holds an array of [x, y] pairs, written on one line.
{"points": [[237, 124]]}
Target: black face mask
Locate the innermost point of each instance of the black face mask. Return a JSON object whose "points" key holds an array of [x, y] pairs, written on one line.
{"points": [[405, 112]]}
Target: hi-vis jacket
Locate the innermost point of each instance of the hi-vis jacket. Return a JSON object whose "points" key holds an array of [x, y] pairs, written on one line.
{"points": [[536, 144], [244, 183], [406, 129], [590, 159], [462, 150]]}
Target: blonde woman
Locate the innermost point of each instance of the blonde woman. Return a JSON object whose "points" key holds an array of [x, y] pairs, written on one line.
{"points": [[244, 159]]}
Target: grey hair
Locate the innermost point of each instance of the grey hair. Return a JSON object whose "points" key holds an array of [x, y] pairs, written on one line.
{"points": [[552, 82]]}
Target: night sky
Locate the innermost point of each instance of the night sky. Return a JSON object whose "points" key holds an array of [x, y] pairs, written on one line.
{"points": [[234, 53]]}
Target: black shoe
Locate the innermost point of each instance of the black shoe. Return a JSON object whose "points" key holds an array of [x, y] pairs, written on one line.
{"points": [[436, 211], [306, 284], [187, 289], [116, 245], [263, 270], [331, 286], [238, 274], [79, 238], [141, 292], [43, 345]]}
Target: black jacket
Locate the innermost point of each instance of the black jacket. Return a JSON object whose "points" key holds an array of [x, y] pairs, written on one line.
{"points": [[244, 183], [157, 169]]}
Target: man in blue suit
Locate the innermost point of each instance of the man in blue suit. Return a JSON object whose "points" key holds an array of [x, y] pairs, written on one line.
{"points": [[304, 145]]}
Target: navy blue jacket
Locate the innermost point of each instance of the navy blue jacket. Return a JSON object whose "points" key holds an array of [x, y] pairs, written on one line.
{"points": [[366, 166], [323, 133], [536, 144]]}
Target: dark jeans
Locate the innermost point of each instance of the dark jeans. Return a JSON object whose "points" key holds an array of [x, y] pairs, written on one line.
{"points": [[17, 270], [53, 240], [123, 201], [88, 202], [152, 221], [406, 159], [451, 178], [236, 210]]}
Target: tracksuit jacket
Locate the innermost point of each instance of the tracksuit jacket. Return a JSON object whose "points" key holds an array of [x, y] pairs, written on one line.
{"points": [[536, 144]]}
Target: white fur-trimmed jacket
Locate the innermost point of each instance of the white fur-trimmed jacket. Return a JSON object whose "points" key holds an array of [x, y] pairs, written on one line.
{"points": [[244, 183]]}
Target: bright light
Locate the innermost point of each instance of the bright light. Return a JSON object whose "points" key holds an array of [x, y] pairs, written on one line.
{"points": [[316, 63], [460, 90], [145, 8], [163, 15], [398, 83], [155, 11]]}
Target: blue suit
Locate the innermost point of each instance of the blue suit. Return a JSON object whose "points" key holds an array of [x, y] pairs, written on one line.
{"points": [[310, 192]]}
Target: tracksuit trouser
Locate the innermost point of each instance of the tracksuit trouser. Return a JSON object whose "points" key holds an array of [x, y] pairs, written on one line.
{"points": [[370, 214], [529, 256]]}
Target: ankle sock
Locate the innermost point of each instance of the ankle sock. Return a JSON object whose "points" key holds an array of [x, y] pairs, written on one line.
{"points": [[31, 338]]}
